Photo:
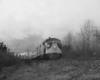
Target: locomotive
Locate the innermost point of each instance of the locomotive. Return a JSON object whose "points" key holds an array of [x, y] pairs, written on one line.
{"points": [[51, 49]]}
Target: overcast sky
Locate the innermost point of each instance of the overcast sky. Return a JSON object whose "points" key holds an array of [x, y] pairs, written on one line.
{"points": [[20, 18]]}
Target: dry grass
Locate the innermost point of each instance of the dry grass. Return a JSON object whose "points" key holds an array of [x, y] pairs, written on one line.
{"points": [[58, 70]]}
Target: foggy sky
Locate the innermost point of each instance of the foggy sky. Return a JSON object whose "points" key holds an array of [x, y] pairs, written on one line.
{"points": [[54, 18]]}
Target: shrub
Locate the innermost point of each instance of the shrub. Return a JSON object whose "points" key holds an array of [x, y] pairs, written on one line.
{"points": [[7, 58]]}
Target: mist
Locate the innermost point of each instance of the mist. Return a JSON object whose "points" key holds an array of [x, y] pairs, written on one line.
{"points": [[45, 18], [27, 44]]}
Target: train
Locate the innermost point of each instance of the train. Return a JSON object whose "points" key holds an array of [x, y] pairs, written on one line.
{"points": [[50, 49]]}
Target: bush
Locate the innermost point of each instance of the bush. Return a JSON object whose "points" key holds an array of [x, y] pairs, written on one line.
{"points": [[7, 58]]}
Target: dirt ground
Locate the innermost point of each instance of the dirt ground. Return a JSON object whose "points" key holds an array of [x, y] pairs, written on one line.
{"points": [[54, 70]]}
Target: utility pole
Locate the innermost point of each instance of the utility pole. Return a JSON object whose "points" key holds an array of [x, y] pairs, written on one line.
{"points": [[28, 52]]}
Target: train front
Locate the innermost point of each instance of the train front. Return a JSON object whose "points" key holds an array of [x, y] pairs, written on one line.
{"points": [[53, 48]]}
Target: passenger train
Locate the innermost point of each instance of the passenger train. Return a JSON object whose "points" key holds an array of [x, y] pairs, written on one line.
{"points": [[51, 48]]}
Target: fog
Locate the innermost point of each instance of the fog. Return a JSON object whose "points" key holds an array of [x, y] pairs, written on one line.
{"points": [[22, 20]]}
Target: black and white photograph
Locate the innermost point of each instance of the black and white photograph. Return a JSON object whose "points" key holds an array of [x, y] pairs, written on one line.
{"points": [[49, 39]]}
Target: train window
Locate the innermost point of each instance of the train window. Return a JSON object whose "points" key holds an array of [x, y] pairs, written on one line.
{"points": [[49, 44], [59, 45]]}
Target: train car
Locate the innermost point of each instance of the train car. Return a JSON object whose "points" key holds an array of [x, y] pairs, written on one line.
{"points": [[50, 49]]}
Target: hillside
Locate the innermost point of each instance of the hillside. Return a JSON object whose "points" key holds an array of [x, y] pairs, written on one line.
{"points": [[54, 70]]}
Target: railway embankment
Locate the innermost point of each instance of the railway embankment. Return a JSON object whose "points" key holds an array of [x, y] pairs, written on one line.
{"points": [[61, 69]]}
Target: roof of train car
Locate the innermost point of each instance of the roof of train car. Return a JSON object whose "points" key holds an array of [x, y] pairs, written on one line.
{"points": [[51, 39]]}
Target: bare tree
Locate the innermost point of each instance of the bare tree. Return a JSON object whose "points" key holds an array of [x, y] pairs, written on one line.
{"points": [[28, 52], [86, 35], [97, 39], [68, 39]]}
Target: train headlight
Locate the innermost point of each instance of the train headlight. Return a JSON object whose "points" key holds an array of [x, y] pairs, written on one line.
{"points": [[48, 45], [54, 46]]}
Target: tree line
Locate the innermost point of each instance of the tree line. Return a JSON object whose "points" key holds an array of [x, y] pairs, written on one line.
{"points": [[85, 43]]}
